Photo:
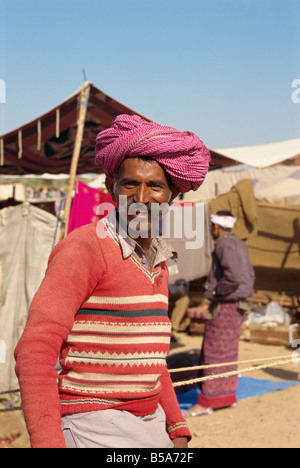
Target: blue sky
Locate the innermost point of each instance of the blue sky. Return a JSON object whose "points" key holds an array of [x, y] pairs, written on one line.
{"points": [[220, 68]]}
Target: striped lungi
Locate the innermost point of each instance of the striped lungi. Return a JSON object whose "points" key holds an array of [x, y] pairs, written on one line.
{"points": [[220, 344]]}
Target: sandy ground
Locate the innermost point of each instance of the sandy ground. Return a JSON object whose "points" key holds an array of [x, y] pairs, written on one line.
{"points": [[268, 421]]}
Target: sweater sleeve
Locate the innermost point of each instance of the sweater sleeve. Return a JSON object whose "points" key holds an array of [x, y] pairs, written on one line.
{"points": [[176, 424], [74, 269]]}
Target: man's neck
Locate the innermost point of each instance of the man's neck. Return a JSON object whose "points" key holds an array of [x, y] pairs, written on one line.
{"points": [[144, 243]]}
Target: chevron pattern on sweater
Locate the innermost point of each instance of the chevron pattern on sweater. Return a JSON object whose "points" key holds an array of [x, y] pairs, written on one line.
{"points": [[114, 359]]}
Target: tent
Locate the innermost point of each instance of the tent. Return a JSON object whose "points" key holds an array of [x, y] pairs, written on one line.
{"points": [[279, 184], [32, 233], [47, 143], [266, 155]]}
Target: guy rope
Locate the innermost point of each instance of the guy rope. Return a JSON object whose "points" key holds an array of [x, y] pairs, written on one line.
{"points": [[280, 362]]}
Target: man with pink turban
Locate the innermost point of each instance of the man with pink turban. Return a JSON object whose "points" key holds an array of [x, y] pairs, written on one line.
{"points": [[102, 307]]}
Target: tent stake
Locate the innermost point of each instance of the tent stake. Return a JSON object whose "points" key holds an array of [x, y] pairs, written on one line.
{"points": [[84, 95]]}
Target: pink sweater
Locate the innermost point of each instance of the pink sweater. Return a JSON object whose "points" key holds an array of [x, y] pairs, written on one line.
{"points": [[107, 318]]}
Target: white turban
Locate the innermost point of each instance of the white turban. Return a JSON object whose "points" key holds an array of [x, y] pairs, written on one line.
{"points": [[225, 222]]}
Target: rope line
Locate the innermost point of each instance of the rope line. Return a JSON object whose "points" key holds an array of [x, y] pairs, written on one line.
{"points": [[224, 364], [200, 379], [229, 374]]}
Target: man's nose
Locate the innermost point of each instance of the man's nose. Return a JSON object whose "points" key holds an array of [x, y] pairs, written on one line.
{"points": [[142, 194]]}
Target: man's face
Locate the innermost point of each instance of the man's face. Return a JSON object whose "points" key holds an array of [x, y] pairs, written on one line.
{"points": [[215, 231], [142, 184]]}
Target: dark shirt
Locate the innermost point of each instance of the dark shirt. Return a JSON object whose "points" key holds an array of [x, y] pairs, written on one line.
{"points": [[231, 276]]}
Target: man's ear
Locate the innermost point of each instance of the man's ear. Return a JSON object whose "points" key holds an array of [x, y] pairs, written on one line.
{"points": [[109, 184], [175, 193]]}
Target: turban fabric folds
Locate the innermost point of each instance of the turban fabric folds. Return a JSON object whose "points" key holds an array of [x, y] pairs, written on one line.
{"points": [[226, 222], [181, 154]]}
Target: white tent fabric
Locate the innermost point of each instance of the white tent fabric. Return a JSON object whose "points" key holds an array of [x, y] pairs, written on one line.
{"points": [[44, 176], [260, 156], [98, 182], [27, 235], [276, 185]]}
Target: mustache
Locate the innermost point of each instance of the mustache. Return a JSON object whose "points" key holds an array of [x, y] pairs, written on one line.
{"points": [[129, 206], [142, 207]]}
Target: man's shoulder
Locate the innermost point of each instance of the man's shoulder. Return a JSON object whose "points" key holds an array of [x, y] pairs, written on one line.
{"points": [[226, 239], [88, 230], [77, 238], [231, 245], [229, 242], [84, 239]]}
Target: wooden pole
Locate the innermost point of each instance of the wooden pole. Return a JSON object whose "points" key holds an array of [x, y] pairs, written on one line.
{"points": [[279, 207], [84, 95]]}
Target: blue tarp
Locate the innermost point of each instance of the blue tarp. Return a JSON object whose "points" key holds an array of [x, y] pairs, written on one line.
{"points": [[247, 388]]}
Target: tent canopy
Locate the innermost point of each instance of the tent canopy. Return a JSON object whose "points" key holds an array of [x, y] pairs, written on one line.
{"points": [[278, 184], [261, 156], [46, 144]]}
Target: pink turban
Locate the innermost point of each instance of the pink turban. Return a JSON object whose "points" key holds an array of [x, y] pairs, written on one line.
{"points": [[181, 154]]}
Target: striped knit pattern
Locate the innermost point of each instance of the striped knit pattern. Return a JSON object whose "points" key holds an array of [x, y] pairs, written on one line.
{"points": [[130, 347], [119, 341], [108, 318]]}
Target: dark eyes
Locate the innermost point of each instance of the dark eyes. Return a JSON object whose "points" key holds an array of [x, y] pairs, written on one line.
{"points": [[129, 185], [152, 186]]}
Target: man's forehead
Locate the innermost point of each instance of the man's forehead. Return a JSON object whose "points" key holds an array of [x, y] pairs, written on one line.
{"points": [[141, 168]]}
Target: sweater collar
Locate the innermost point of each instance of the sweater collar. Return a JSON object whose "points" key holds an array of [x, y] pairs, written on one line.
{"points": [[162, 249]]}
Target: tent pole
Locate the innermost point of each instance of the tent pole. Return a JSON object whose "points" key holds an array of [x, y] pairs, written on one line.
{"points": [[279, 207], [84, 95]]}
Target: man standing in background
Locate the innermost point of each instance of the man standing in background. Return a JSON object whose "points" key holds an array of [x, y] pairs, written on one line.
{"points": [[229, 282]]}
